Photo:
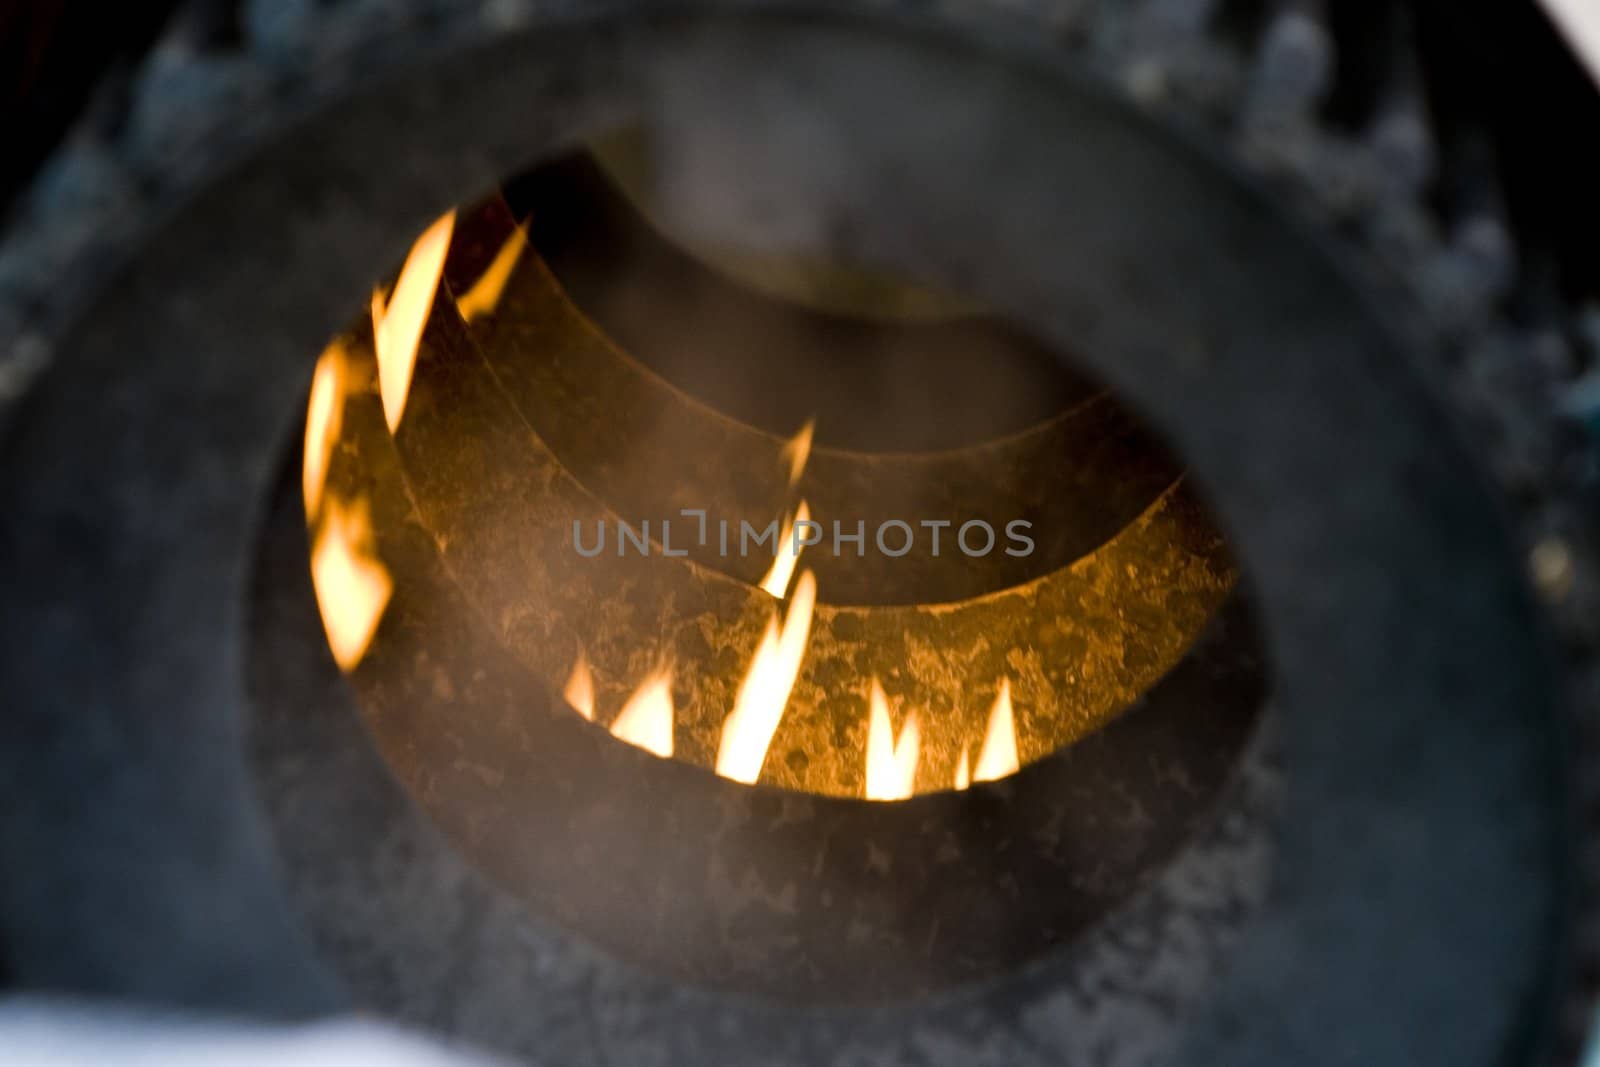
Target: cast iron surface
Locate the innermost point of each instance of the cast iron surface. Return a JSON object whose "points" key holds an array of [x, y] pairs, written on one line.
{"points": [[1420, 739]]}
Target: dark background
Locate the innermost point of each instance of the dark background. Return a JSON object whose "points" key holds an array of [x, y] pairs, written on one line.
{"points": [[1514, 111]]}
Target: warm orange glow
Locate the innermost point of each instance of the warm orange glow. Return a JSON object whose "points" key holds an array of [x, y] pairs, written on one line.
{"points": [[798, 450], [484, 295], [764, 693], [353, 586], [891, 763], [777, 580], [998, 756], [580, 688], [324, 417], [646, 719], [964, 769], [397, 326]]}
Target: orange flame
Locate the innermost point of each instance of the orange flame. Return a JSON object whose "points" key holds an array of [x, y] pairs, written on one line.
{"points": [[891, 763], [798, 450], [397, 327], [777, 580], [353, 586], [646, 719], [764, 693], [998, 757], [324, 416], [964, 769], [485, 293], [580, 688]]}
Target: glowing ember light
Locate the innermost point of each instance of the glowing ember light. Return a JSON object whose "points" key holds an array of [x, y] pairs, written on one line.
{"points": [[397, 327], [777, 580], [324, 418], [891, 763], [798, 450], [998, 757], [646, 719], [484, 295], [764, 693], [580, 688], [964, 769], [353, 586]]}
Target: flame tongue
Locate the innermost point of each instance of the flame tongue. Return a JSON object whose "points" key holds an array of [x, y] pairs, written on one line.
{"points": [[397, 326], [484, 296], [998, 757], [646, 719], [776, 582], [324, 418], [580, 688], [353, 586], [764, 693], [964, 769], [798, 450], [891, 763]]}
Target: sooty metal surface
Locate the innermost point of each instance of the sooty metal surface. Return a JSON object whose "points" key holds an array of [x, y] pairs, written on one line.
{"points": [[754, 890], [1418, 878]]}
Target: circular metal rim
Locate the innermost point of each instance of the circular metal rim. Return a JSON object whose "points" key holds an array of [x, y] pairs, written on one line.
{"points": [[1347, 556]]}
